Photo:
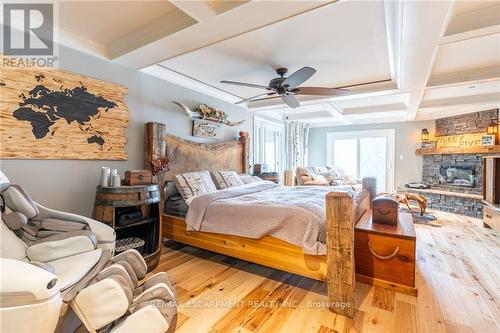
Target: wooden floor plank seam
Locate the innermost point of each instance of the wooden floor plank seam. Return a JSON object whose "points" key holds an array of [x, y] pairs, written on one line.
{"points": [[457, 276]]}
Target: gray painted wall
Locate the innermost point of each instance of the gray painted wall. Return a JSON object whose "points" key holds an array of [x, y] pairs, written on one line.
{"points": [[69, 185], [407, 140]]}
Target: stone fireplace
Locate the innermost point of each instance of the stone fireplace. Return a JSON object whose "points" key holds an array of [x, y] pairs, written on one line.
{"points": [[457, 179]]}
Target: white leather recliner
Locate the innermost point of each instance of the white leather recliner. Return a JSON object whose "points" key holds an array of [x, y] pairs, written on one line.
{"points": [[58, 273]]}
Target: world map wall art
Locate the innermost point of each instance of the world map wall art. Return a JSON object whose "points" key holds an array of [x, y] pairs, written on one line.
{"points": [[54, 114]]}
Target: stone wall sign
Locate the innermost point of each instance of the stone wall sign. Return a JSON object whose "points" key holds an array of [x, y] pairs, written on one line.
{"points": [[459, 140]]}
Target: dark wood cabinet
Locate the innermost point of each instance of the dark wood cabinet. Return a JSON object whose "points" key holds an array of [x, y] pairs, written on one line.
{"points": [[491, 191]]}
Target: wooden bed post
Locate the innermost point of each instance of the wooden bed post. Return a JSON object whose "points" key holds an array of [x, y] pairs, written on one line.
{"points": [[155, 148], [370, 184], [245, 141], [340, 277]]}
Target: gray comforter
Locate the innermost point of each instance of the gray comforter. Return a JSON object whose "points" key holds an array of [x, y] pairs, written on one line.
{"points": [[294, 214]]}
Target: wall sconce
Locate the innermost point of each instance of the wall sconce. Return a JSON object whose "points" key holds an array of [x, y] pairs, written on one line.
{"points": [[493, 127], [424, 136]]}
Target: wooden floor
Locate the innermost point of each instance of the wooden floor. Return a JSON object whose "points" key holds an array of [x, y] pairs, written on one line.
{"points": [[458, 280]]}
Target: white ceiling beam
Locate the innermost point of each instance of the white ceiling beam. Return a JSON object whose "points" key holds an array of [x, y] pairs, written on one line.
{"points": [[394, 23], [161, 27], [461, 101], [187, 82], [450, 111], [424, 25], [478, 75], [310, 115], [476, 20], [490, 30], [241, 19], [336, 111], [200, 10], [375, 109]]}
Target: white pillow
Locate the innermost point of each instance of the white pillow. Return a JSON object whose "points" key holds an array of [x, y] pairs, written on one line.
{"points": [[192, 184], [247, 179], [226, 179]]}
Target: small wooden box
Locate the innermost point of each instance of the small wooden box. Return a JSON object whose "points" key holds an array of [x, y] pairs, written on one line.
{"points": [[385, 254], [385, 210], [138, 177]]}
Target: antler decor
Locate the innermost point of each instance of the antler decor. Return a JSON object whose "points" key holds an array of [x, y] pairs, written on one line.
{"points": [[208, 113]]}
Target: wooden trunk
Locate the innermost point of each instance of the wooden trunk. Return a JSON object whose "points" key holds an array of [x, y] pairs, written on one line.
{"points": [[385, 254], [385, 210], [138, 177]]}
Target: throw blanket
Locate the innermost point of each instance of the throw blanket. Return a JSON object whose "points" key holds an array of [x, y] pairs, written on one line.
{"points": [[294, 214]]}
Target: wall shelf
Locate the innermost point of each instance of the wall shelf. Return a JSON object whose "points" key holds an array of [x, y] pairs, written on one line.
{"points": [[459, 150]]}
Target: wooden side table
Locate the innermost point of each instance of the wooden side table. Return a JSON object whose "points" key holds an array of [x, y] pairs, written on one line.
{"points": [[385, 254], [142, 201]]}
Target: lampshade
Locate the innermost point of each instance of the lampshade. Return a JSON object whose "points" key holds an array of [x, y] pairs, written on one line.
{"points": [[425, 135], [493, 127]]}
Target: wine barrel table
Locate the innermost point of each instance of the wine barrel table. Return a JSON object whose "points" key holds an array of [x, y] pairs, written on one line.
{"points": [[134, 213]]}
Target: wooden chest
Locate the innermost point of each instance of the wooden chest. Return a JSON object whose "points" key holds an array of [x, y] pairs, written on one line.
{"points": [[138, 177], [385, 210], [385, 254]]}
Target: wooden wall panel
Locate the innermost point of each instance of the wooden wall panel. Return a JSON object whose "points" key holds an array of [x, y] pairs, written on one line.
{"points": [[54, 114]]}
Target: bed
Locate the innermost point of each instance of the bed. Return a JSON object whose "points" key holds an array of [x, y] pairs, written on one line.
{"points": [[342, 211]]}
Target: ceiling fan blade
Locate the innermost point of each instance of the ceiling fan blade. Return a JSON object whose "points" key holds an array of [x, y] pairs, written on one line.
{"points": [[299, 77], [291, 100], [250, 99], [251, 85], [321, 91], [265, 98]]}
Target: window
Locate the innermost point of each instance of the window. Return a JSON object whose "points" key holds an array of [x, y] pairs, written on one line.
{"points": [[268, 144], [364, 154]]}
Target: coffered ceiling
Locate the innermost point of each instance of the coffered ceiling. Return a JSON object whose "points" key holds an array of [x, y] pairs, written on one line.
{"points": [[401, 60]]}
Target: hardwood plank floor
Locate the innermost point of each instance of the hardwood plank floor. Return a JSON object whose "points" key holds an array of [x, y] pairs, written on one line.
{"points": [[458, 281]]}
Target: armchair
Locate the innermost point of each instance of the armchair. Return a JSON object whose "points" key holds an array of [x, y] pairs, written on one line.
{"points": [[58, 273]]}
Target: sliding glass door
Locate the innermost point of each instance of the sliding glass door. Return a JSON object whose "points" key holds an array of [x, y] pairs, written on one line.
{"points": [[364, 154], [268, 144]]}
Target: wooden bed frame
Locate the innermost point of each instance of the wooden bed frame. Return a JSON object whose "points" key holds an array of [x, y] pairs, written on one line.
{"points": [[336, 268]]}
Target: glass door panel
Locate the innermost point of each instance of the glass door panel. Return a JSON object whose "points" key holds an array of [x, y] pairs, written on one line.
{"points": [[373, 159], [345, 155]]}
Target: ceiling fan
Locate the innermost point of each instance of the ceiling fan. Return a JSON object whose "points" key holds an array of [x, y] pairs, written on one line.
{"points": [[287, 88]]}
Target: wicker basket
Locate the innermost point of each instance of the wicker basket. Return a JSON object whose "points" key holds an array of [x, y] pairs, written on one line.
{"points": [[128, 243]]}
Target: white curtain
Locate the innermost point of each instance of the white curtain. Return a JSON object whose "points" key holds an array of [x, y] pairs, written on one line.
{"points": [[296, 137]]}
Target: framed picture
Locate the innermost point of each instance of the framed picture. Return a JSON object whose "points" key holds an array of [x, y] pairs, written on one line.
{"points": [[428, 144], [487, 140], [207, 129]]}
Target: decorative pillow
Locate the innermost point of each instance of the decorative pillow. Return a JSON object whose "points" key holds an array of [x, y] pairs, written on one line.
{"points": [[247, 179], [226, 179], [322, 170], [330, 176], [317, 180], [192, 184]]}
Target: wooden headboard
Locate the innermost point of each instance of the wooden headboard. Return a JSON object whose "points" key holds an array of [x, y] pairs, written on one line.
{"points": [[188, 156]]}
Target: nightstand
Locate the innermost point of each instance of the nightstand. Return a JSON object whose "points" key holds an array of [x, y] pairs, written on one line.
{"points": [[133, 211]]}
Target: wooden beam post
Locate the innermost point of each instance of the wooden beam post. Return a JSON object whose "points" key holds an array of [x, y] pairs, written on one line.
{"points": [[155, 148], [340, 277], [245, 141], [370, 184]]}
